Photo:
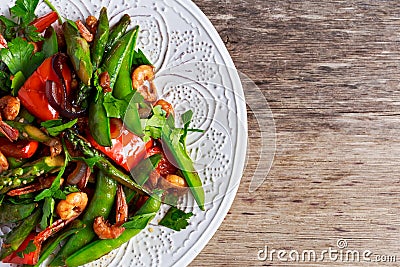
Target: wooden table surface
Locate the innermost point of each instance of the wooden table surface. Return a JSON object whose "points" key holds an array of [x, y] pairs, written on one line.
{"points": [[331, 75]]}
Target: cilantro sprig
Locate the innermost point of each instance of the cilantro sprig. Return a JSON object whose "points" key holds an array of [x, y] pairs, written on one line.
{"points": [[20, 57], [24, 12], [176, 219], [55, 127]]}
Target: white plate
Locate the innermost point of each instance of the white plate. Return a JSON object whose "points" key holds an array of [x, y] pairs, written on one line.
{"points": [[194, 71]]}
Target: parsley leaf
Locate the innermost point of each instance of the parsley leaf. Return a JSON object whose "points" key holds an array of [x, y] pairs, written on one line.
{"points": [[7, 28], [54, 190], [31, 33], [19, 57], [139, 221], [89, 161], [55, 127], [114, 107], [24, 10], [176, 219], [155, 123]]}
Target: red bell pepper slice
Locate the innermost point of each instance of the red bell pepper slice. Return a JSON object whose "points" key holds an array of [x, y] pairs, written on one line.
{"points": [[127, 149], [45, 21], [22, 149], [33, 95], [27, 258], [3, 42]]}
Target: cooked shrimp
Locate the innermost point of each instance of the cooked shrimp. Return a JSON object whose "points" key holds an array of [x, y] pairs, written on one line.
{"points": [[173, 182], [104, 229], [72, 206], [139, 76], [9, 107], [3, 163], [8, 131], [166, 106]]}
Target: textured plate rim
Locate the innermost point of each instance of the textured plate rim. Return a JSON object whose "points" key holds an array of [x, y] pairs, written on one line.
{"points": [[239, 159]]}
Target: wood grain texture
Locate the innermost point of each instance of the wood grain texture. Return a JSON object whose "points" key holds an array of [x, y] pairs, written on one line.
{"points": [[330, 73]]}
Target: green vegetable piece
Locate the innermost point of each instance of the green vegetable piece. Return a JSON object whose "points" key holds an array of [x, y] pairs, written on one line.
{"points": [[100, 248], [7, 28], [176, 219], [50, 44], [160, 127], [79, 52], [123, 85], [24, 114], [100, 205], [53, 245], [15, 238], [25, 10], [99, 123], [142, 171], [17, 82], [84, 92], [30, 132], [10, 213], [139, 221], [171, 141], [101, 38], [117, 31], [132, 119], [20, 57], [48, 210], [55, 127], [5, 82], [113, 60], [16, 163], [29, 172]]}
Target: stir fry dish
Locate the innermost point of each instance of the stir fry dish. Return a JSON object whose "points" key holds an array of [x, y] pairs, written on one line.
{"points": [[88, 153]]}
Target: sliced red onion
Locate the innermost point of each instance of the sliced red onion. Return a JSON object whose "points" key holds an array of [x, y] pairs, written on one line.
{"points": [[81, 173], [56, 92]]}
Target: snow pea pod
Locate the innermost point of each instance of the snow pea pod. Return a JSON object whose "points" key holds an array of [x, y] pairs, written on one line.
{"points": [[100, 248], [13, 213], [117, 31], [99, 123], [100, 205], [113, 60], [101, 38], [185, 164], [123, 85]]}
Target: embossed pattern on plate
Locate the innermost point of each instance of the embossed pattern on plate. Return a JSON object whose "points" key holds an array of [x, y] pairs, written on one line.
{"points": [[194, 71]]}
